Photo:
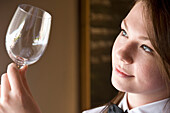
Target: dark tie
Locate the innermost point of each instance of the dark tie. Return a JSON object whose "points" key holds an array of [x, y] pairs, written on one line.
{"points": [[115, 109]]}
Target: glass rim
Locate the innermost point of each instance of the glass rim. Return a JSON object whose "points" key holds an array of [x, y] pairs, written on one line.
{"points": [[42, 10]]}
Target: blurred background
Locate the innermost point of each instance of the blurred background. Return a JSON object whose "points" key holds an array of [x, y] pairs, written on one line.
{"points": [[81, 38], [54, 78]]}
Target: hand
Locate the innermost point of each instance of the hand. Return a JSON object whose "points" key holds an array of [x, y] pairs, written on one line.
{"points": [[15, 96]]}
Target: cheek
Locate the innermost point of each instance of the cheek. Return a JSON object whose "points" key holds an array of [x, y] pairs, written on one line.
{"points": [[148, 74]]}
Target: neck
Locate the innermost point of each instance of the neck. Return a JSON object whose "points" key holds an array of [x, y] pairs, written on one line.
{"points": [[135, 100]]}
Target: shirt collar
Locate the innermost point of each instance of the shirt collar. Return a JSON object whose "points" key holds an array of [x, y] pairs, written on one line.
{"points": [[154, 107]]}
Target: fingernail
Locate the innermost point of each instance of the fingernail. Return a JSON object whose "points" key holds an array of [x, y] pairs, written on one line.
{"points": [[24, 67]]}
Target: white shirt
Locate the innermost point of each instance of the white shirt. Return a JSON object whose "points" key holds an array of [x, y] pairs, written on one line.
{"points": [[154, 107]]}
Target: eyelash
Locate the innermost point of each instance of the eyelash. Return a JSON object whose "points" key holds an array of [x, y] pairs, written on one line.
{"points": [[146, 48], [143, 46], [123, 33]]}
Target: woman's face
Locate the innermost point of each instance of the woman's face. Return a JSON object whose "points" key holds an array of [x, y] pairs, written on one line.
{"points": [[133, 57]]}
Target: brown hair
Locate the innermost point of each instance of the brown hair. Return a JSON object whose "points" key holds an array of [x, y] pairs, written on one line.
{"points": [[158, 12]]}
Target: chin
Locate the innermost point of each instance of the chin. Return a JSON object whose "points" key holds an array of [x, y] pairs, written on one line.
{"points": [[123, 87], [118, 85]]}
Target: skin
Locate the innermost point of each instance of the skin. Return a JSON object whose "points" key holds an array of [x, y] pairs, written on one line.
{"points": [[135, 70], [15, 96]]}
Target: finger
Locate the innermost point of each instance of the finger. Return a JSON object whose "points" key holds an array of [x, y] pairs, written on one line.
{"points": [[5, 87], [0, 91], [24, 80], [23, 70], [14, 77]]}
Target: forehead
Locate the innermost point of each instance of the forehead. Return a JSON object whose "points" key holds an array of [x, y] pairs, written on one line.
{"points": [[136, 20]]}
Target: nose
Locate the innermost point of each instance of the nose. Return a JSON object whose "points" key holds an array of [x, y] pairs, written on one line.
{"points": [[125, 54]]}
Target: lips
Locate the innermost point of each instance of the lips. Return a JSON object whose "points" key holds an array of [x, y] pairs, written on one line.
{"points": [[122, 73]]}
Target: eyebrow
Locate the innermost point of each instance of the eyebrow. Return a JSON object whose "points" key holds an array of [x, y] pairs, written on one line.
{"points": [[124, 22], [144, 38], [126, 27]]}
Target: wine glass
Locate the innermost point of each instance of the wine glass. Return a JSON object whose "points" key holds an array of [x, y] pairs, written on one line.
{"points": [[27, 35]]}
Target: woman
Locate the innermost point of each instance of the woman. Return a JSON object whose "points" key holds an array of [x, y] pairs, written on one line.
{"points": [[141, 60], [141, 66]]}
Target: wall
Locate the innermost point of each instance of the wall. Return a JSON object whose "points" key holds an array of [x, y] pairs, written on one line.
{"points": [[54, 78]]}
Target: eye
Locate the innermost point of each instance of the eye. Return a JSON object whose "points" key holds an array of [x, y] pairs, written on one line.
{"points": [[146, 48], [124, 33]]}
